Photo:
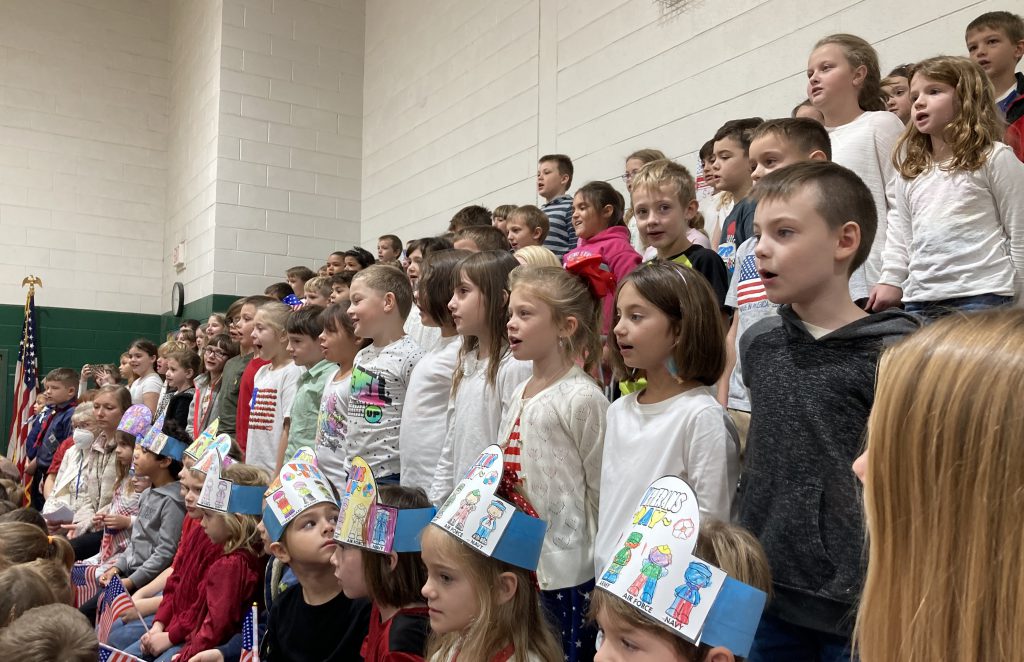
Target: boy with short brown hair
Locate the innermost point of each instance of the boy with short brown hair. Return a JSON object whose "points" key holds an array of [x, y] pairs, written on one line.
{"points": [[995, 40], [554, 177], [811, 372]]}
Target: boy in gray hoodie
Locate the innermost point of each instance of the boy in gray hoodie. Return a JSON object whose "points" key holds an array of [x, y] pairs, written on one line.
{"points": [[157, 528], [811, 375]]}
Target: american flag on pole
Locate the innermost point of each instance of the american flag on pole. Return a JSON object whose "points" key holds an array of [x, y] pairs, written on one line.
{"points": [[108, 654], [83, 581], [115, 602], [250, 644], [26, 379]]}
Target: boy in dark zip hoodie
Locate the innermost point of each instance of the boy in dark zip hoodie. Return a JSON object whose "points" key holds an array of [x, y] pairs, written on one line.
{"points": [[811, 375]]}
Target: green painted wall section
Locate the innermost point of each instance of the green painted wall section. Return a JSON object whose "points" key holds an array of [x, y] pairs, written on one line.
{"points": [[71, 337]]}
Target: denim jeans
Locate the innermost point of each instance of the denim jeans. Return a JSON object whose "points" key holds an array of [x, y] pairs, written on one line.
{"points": [[929, 311], [123, 635], [136, 650], [779, 641]]}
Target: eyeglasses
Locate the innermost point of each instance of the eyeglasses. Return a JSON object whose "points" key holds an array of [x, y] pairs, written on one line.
{"points": [[215, 352], [628, 176]]}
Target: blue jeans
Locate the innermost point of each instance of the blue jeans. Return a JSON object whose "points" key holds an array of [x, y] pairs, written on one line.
{"points": [[929, 311], [136, 650], [779, 641], [123, 635]]}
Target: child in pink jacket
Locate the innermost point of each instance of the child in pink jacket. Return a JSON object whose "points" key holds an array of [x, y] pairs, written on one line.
{"points": [[597, 211]]}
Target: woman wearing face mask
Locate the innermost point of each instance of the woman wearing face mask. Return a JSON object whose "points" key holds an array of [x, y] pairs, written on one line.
{"points": [[91, 468]]}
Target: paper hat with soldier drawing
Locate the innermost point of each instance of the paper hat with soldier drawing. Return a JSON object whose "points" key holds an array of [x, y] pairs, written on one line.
{"points": [[488, 523], [223, 495], [299, 486], [365, 522], [156, 441], [655, 571]]}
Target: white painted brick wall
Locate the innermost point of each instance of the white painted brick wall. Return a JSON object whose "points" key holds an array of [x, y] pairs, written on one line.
{"points": [[291, 138], [195, 42], [83, 120], [464, 96]]}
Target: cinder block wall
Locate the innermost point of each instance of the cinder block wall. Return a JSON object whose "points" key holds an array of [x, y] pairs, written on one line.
{"points": [[83, 161], [288, 189], [465, 95]]}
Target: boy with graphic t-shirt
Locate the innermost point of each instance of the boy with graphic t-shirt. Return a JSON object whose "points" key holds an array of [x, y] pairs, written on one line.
{"points": [[381, 297], [664, 201]]}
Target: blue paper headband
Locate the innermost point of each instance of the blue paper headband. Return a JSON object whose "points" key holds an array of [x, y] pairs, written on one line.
{"points": [[734, 617], [246, 499], [296, 488], [503, 531], [165, 445]]}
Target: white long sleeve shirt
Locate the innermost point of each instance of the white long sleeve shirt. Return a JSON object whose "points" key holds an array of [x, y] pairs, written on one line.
{"points": [[473, 418], [865, 146], [561, 433], [425, 415], [689, 435], [958, 233]]}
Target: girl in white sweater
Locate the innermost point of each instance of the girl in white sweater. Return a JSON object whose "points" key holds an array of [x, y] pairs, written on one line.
{"points": [[425, 414], [668, 329], [844, 83], [553, 435], [958, 240], [486, 374]]}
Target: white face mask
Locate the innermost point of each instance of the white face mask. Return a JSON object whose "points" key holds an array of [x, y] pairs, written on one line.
{"points": [[83, 438]]}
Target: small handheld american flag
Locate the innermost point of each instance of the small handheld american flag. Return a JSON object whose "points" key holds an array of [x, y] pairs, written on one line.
{"points": [[83, 580], [108, 654], [114, 604], [250, 643]]}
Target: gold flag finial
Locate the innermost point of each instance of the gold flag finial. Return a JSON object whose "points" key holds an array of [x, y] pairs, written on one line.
{"points": [[32, 281]]}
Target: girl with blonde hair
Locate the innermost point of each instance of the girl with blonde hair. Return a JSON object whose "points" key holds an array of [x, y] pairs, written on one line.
{"points": [[553, 432], [844, 83], [482, 608], [957, 242], [226, 585], [943, 492]]}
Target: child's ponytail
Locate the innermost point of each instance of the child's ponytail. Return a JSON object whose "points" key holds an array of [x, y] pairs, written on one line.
{"points": [[60, 550], [21, 542]]}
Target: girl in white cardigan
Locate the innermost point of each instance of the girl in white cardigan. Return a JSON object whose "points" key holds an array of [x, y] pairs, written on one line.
{"points": [[958, 239], [553, 435]]}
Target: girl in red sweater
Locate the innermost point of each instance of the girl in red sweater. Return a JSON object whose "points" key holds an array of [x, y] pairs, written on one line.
{"points": [[230, 503]]}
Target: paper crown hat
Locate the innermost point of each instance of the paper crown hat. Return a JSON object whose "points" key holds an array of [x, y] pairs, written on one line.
{"points": [[221, 445], [136, 421], [654, 570], [205, 441], [365, 522], [489, 524], [157, 442], [223, 495], [298, 487]]}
